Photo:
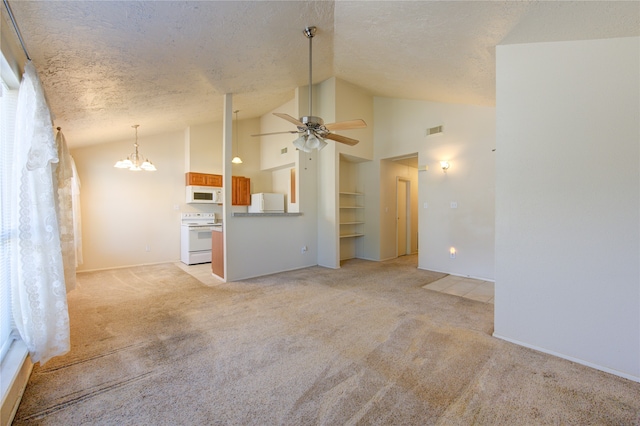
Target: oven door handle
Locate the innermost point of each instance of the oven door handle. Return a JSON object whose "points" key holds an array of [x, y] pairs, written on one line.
{"points": [[200, 228]]}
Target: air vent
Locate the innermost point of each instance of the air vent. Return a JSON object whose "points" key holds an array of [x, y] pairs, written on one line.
{"points": [[434, 130]]}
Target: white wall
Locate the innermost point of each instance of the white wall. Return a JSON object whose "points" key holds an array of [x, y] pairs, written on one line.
{"points": [[281, 184], [568, 200], [204, 148], [328, 180], [467, 142], [123, 212], [369, 185], [265, 245], [272, 145], [352, 102]]}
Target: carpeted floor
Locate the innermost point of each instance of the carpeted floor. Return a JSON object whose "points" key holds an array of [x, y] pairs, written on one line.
{"points": [[365, 344]]}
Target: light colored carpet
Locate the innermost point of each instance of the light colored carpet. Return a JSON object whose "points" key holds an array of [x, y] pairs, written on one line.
{"points": [[361, 345]]}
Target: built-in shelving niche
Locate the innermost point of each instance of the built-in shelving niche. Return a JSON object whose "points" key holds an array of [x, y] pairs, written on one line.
{"points": [[351, 210]]}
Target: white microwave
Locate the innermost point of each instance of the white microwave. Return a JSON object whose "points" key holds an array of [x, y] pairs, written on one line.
{"points": [[204, 194]]}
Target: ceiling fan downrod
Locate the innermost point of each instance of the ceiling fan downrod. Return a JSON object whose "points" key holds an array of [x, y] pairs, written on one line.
{"points": [[311, 130], [309, 32]]}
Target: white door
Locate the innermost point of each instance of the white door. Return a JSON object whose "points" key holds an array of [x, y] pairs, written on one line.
{"points": [[403, 211]]}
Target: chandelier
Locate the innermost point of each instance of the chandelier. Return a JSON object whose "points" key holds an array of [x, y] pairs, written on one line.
{"points": [[134, 160]]}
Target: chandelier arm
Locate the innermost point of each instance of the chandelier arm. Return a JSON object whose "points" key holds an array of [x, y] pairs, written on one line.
{"points": [[136, 160]]}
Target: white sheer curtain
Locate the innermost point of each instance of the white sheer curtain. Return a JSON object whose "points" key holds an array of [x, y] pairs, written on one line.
{"points": [[38, 285], [64, 208], [77, 217]]}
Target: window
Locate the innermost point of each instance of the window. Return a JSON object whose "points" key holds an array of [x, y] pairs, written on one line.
{"points": [[8, 101]]}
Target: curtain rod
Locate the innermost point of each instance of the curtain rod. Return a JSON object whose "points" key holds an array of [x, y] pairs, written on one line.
{"points": [[15, 26]]}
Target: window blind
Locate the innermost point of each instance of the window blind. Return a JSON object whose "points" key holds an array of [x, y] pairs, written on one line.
{"points": [[8, 103]]}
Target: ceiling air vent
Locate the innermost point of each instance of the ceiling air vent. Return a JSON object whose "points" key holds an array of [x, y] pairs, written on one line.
{"points": [[434, 130]]}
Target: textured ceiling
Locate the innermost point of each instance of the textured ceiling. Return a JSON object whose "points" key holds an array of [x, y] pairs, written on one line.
{"points": [[166, 64]]}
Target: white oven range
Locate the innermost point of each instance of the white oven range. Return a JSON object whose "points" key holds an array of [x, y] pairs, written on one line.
{"points": [[195, 237]]}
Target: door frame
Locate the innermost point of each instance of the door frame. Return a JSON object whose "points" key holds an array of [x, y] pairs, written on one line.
{"points": [[408, 228]]}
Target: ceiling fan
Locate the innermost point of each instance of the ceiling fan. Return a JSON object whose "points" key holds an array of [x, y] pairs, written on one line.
{"points": [[311, 130]]}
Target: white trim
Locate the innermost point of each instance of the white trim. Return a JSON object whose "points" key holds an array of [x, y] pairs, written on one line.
{"points": [[10, 368], [126, 266], [473, 277], [297, 268], [382, 260], [570, 358], [9, 73]]}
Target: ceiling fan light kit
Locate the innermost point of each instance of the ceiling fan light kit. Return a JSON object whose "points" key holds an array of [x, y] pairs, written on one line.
{"points": [[312, 131]]}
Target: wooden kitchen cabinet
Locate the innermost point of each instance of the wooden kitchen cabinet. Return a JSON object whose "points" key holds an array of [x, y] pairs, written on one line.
{"points": [[214, 180], [217, 253], [240, 186], [203, 179], [241, 191]]}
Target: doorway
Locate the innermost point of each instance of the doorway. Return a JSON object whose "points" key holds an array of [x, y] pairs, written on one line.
{"points": [[399, 206], [403, 216]]}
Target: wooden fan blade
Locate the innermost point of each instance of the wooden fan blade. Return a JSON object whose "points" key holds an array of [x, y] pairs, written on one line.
{"points": [[290, 119], [276, 133], [341, 139], [346, 125]]}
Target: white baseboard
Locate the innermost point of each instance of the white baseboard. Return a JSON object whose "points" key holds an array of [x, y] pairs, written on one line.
{"points": [[15, 371], [570, 358], [82, 271], [473, 277]]}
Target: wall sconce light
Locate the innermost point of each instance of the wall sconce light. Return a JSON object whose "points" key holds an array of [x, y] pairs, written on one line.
{"points": [[445, 166]]}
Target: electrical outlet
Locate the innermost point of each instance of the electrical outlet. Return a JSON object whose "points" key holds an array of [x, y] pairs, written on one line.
{"points": [[304, 249], [147, 248], [454, 204]]}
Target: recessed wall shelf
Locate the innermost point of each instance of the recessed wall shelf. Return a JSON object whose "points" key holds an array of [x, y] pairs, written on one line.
{"points": [[351, 215], [351, 211]]}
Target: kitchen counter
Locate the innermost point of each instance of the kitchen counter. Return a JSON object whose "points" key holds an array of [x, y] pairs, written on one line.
{"points": [[239, 214], [216, 227]]}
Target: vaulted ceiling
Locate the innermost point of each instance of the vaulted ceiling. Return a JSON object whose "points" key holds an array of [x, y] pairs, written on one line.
{"points": [[106, 65]]}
